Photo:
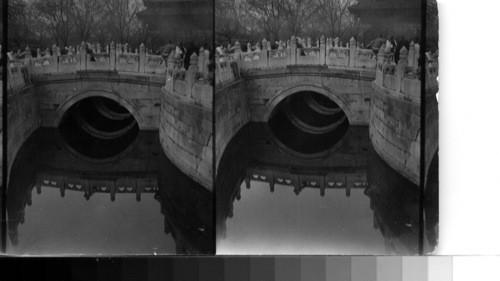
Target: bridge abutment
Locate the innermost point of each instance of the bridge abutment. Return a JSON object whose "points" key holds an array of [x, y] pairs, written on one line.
{"points": [[395, 132], [23, 116], [186, 133], [232, 112]]}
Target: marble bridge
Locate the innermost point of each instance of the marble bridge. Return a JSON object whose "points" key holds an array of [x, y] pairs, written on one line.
{"points": [[367, 89], [133, 90]]}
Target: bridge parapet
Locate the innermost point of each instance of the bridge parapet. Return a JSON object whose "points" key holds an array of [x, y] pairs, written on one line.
{"points": [[186, 117], [326, 52], [115, 57], [195, 83], [227, 69], [18, 78], [402, 79]]}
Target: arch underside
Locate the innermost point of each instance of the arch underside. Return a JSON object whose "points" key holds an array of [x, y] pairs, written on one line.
{"points": [[277, 99], [66, 105]]}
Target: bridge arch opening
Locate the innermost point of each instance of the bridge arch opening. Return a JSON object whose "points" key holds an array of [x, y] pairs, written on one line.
{"points": [[98, 127], [308, 122]]}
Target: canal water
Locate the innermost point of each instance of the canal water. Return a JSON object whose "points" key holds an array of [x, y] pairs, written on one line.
{"points": [[273, 199], [61, 200]]}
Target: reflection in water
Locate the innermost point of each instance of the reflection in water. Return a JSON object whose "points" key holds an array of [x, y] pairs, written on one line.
{"points": [[272, 201], [62, 202]]}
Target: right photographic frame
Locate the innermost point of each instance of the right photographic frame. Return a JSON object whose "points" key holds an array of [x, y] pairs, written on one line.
{"points": [[326, 127]]}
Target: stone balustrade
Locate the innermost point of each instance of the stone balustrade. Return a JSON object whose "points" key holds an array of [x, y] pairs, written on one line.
{"points": [[186, 117], [115, 57], [327, 51], [195, 82], [401, 79], [226, 69], [18, 78]]}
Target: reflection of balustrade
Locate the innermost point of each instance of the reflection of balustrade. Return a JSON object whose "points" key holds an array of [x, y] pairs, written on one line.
{"points": [[91, 186], [301, 181]]}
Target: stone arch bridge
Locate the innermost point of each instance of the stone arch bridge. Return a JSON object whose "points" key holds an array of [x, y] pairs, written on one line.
{"points": [[157, 92], [370, 89]]}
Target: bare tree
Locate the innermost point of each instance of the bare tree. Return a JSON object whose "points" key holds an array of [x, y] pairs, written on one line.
{"points": [[228, 15], [121, 19], [268, 15], [297, 13], [88, 15], [334, 13], [58, 17]]}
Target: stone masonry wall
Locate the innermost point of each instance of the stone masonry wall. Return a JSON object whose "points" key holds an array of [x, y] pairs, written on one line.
{"points": [[231, 114], [23, 119], [431, 128], [186, 134], [395, 131]]}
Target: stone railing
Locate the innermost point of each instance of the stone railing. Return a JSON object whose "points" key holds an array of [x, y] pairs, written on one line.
{"points": [[195, 82], [115, 57], [401, 79], [326, 52], [226, 69], [18, 78]]}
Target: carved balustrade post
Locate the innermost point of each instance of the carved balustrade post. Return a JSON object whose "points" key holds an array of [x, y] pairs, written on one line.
{"points": [[191, 74], [218, 72], [293, 51], [83, 56], [411, 55], [322, 50], [237, 54], [169, 84], [206, 63], [112, 56], [401, 67], [142, 58], [264, 54], [352, 52], [201, 59], [417, 57]]}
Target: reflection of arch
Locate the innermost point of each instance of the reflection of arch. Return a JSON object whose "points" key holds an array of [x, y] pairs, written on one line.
{"points": [[273, 102], [137, 141], [431, 203], [435, 156], [63, 108], [288, 151]]}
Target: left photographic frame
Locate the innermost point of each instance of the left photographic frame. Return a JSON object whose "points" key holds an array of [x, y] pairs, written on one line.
{"points": [[109, 128]]}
